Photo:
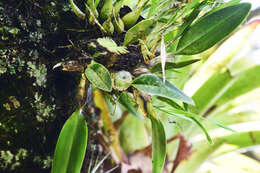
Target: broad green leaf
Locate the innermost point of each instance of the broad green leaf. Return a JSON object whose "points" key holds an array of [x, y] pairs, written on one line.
{"points": [[171, 65], [111, 45], [98, 75], [158, 141], [188, 116], [153, 85], [212, 28], [140, 30], [76, 10], [224, 5], [174, 35], [124, 100], [71, 146]]}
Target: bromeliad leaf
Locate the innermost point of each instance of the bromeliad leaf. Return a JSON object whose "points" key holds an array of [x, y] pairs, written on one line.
{"points": [[171, 65], [139, 31], [212, 28], [153, 85], [71, 146], [158, 141], [111, 46], [98, 75]]}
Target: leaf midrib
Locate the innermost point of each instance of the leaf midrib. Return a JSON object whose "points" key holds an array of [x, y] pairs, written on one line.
{"points": [[209, 30]]}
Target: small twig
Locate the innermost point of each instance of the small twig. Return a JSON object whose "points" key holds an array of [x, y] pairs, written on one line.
{"points": [[183, 151], [118, 122]]}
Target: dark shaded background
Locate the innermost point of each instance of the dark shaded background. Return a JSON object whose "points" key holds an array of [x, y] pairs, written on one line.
{"points": [[35, 100]]}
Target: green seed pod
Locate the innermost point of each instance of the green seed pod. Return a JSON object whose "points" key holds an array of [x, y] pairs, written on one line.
{"points": [[106, 10], [108, 26], [119, 25], [121, 80]]}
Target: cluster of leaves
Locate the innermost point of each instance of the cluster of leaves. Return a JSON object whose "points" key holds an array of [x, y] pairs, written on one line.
{"points": [[179, 30]]}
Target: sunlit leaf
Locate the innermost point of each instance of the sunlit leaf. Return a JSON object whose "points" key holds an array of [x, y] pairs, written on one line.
{"points": [[71, 146], [153, 85], [111, 46], [98, 75], [212, 28], [154, 4], [241, 140], [223, 87]]}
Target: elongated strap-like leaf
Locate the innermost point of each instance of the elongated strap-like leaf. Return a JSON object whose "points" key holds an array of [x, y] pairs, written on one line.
{"points": [[212, 28], [188, 116], [222, 87], [243, 139], [153, 85], [158, 141], [98, 75], [71, 146]]}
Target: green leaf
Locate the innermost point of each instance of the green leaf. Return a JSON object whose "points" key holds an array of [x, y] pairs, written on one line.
{"points": [[71, 146], [111, 46], [158, 141], [224, 5], [188, 116], [171, 65], [170, 102], [154, 4], [98, 75], [153, 85], [223, 87], [198, 157], [212, 28], [139, 31], [124, 100], [174, 35]]}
